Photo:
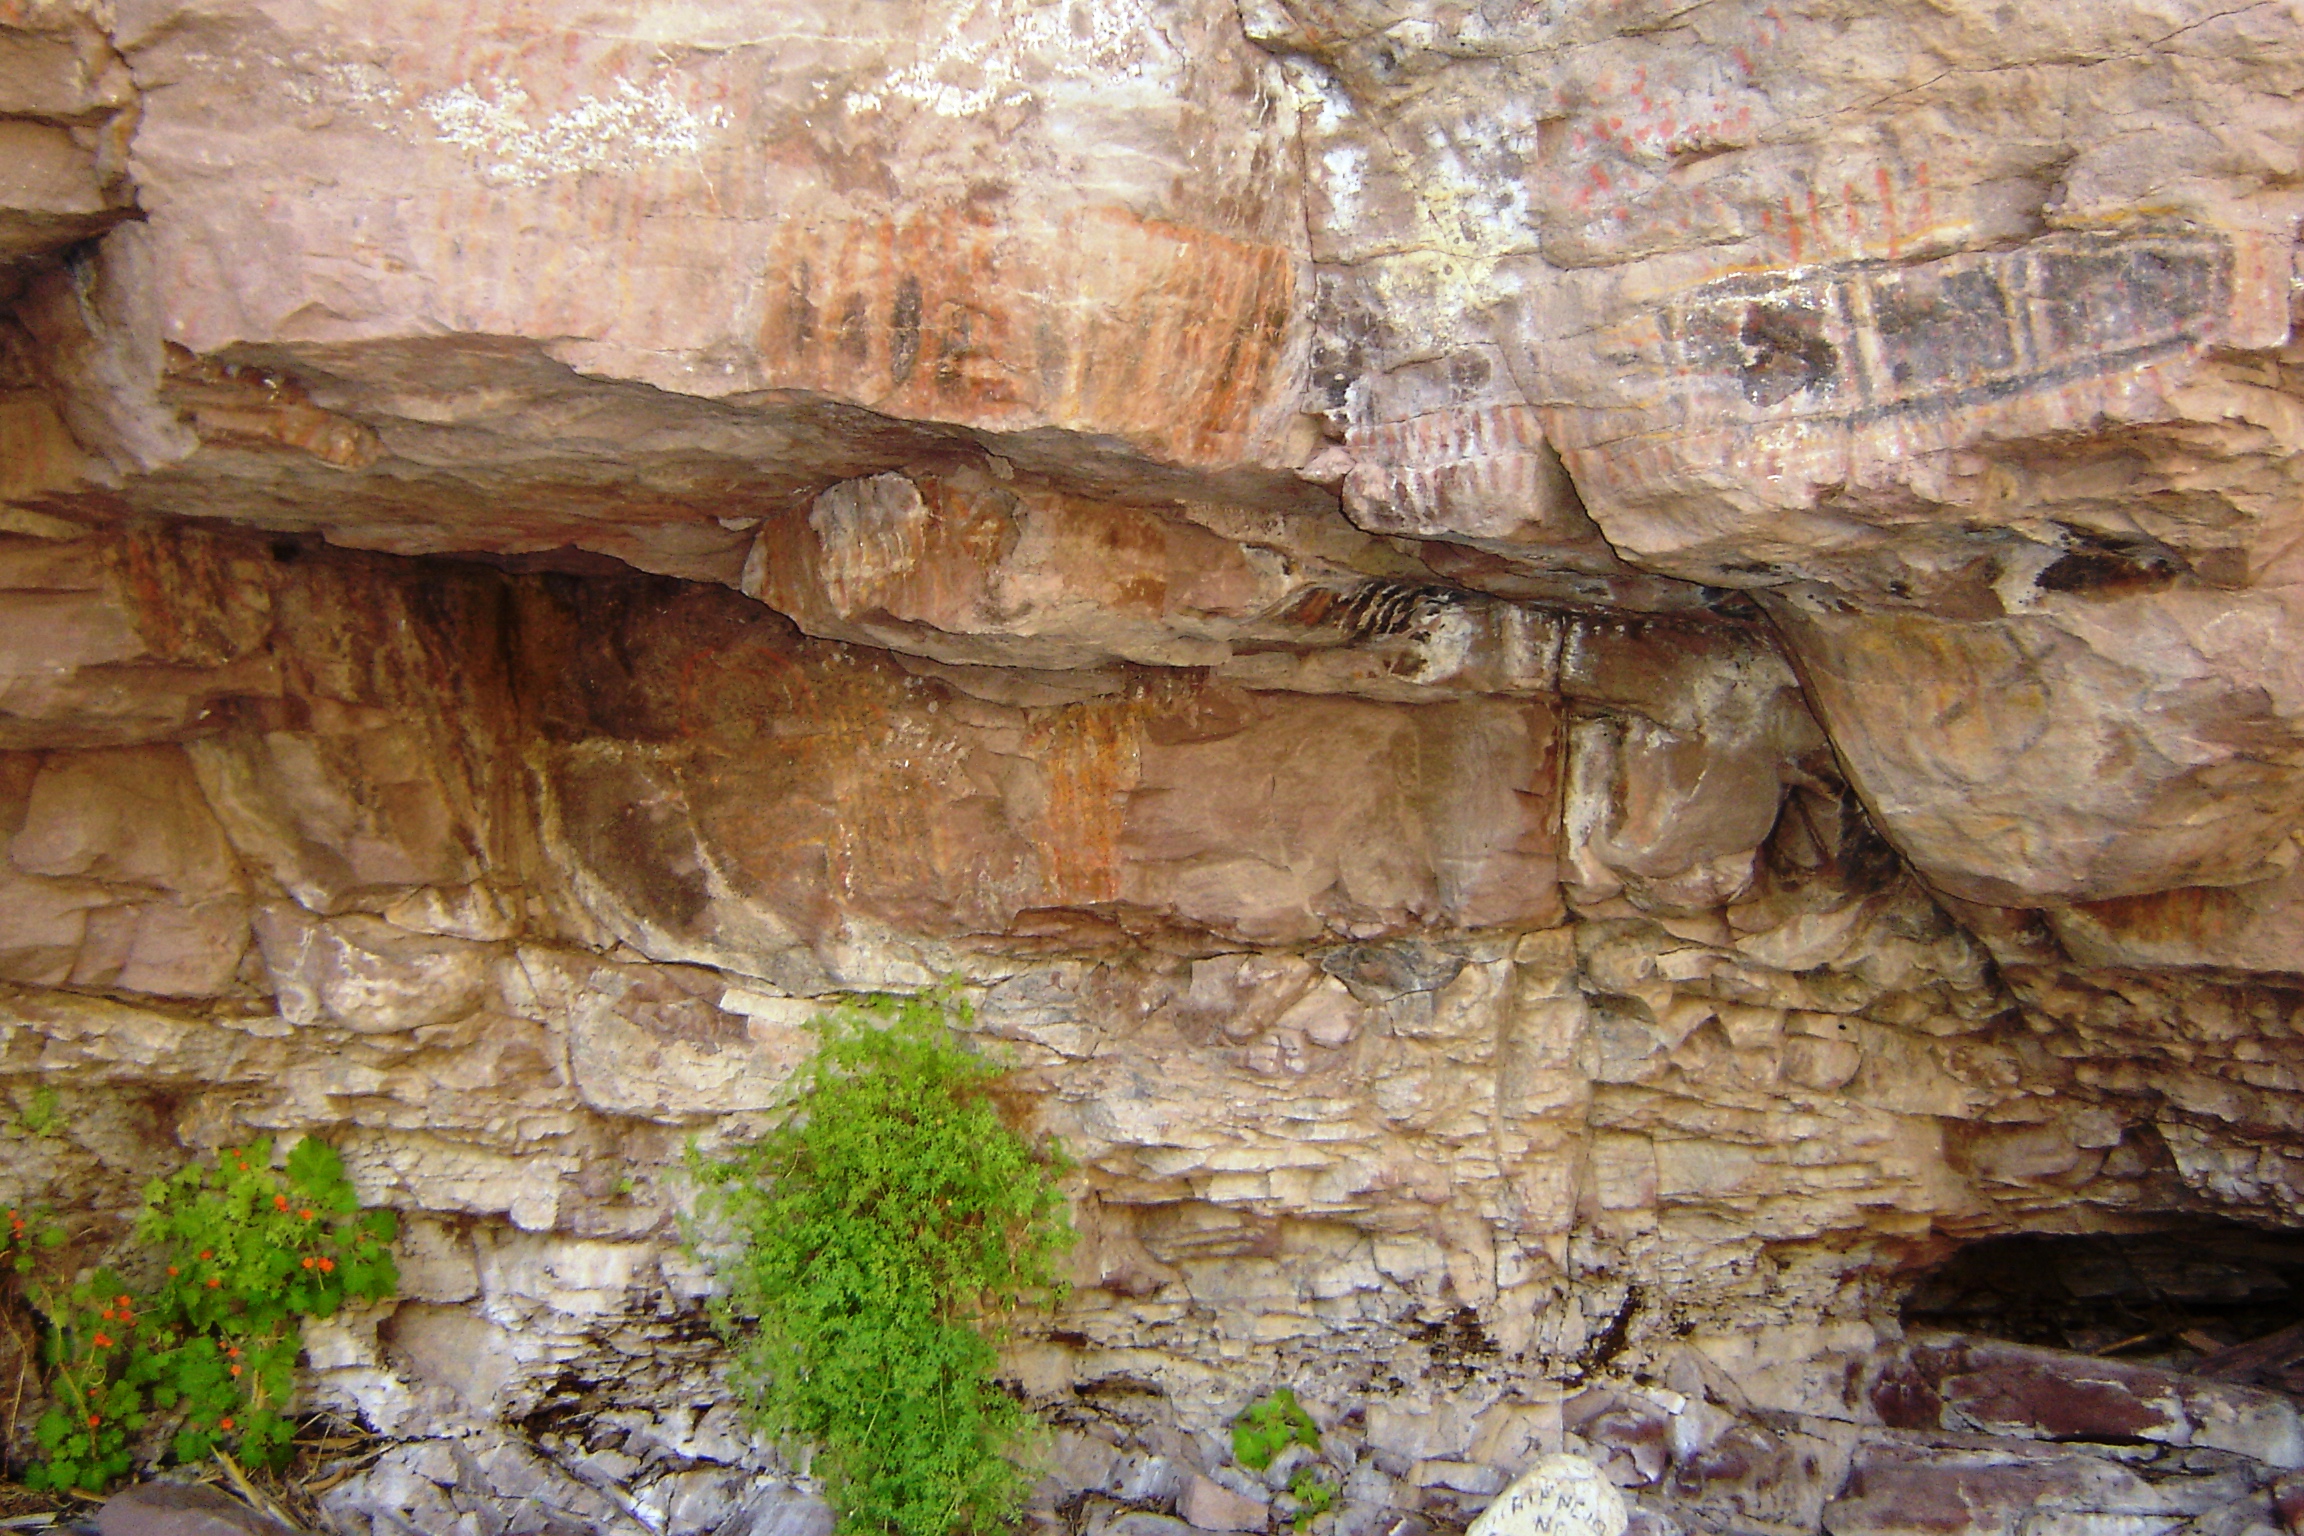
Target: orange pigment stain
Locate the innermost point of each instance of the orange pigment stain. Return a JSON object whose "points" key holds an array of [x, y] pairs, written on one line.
{"points": [[1174, 341], [1091, 754]]}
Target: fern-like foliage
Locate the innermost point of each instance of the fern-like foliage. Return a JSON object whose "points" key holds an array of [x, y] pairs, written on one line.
{"points": [[879, 1236]]}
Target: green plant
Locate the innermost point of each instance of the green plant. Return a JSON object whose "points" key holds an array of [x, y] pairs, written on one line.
{"points": [[21, 1244], [249, 1252], [881, 1232], [43, 1116], [96, 1385], [1314, 1494], [1269, 1426]]}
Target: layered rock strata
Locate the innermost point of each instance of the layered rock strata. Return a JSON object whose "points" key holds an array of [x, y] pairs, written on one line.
{"points": [[1574, 685]]}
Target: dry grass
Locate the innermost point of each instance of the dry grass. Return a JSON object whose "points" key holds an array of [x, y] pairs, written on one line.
{"points": [[327, 1451]]}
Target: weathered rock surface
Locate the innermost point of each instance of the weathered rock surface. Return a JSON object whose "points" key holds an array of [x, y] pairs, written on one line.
{"points": [[67, 109], [1574, 683], [1992, 415], [2009, 1389], [181, 1509]]}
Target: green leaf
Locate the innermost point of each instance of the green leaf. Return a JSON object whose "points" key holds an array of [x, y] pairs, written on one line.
{"points": [[880, 1231], [1268, 1427]]}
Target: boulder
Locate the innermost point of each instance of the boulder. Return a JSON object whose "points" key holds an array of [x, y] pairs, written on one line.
{"points": [[1557, 1496]]}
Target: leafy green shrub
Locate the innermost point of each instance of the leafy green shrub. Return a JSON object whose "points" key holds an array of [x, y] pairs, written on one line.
{"points": [[250, 1253], [1269, 1426], [1314, 1493], [882, 1231]]}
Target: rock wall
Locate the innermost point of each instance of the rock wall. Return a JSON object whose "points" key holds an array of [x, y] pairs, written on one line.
{"points": [[1574, 687]]}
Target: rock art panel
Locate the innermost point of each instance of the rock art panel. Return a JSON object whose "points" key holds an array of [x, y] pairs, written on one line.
{"points": [[1260, 538], [897, 802], [1789, 331], [961, 212], [1162, 334], [1760, 390]]}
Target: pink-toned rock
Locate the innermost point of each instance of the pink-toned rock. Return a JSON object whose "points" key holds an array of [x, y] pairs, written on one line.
{"points": [[181, 1509], [131, 816], [961, 568], [2015, 1389], [362, 974], [66, 111], [2092, 751], [1630, 1435], [1951, 423], [1896, 1489], [1267, 816], [996, 222], [1211, 1506]]}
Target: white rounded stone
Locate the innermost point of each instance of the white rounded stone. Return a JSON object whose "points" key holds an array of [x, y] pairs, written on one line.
{"points": [[1556, 1496]]}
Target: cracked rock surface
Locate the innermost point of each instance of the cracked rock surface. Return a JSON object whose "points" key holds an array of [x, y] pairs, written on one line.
{"points": [[1577, 686]]}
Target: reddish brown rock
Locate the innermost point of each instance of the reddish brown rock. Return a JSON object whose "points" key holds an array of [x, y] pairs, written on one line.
{"points": [[181, 1509], [1897, 1489], [902, 803], [1975, 420], [1631, 1435], [1210, 1506], [745, 266], [961, 568], [66, 112], [2013, 1389], [2089, 752]]}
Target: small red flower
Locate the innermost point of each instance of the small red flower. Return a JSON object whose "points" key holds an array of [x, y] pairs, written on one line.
{"points": [[214, 1282], [307, 1215], [235, 1370], [94, 1420], [280, 1202], [327, 1266], [173, 1271], [225, 1422], [207, 1253], [121, 1302], [103, 1341], [106, 1314], [233, 1353], [307, 1261]]}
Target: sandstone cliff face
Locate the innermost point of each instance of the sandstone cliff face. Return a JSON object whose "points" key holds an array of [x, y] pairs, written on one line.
{"points": [[1575, 684]]}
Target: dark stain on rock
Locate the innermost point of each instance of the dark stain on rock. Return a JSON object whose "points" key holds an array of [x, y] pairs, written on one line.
{"points": [[1785, 352], [1903, 1399], [1457, 1343], [800, 307], [1374, 610], [1942, 322], [1609, 1342], [904, 331], [1382, 973], [2104, 565], [856, 329], [1867, 340]]}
